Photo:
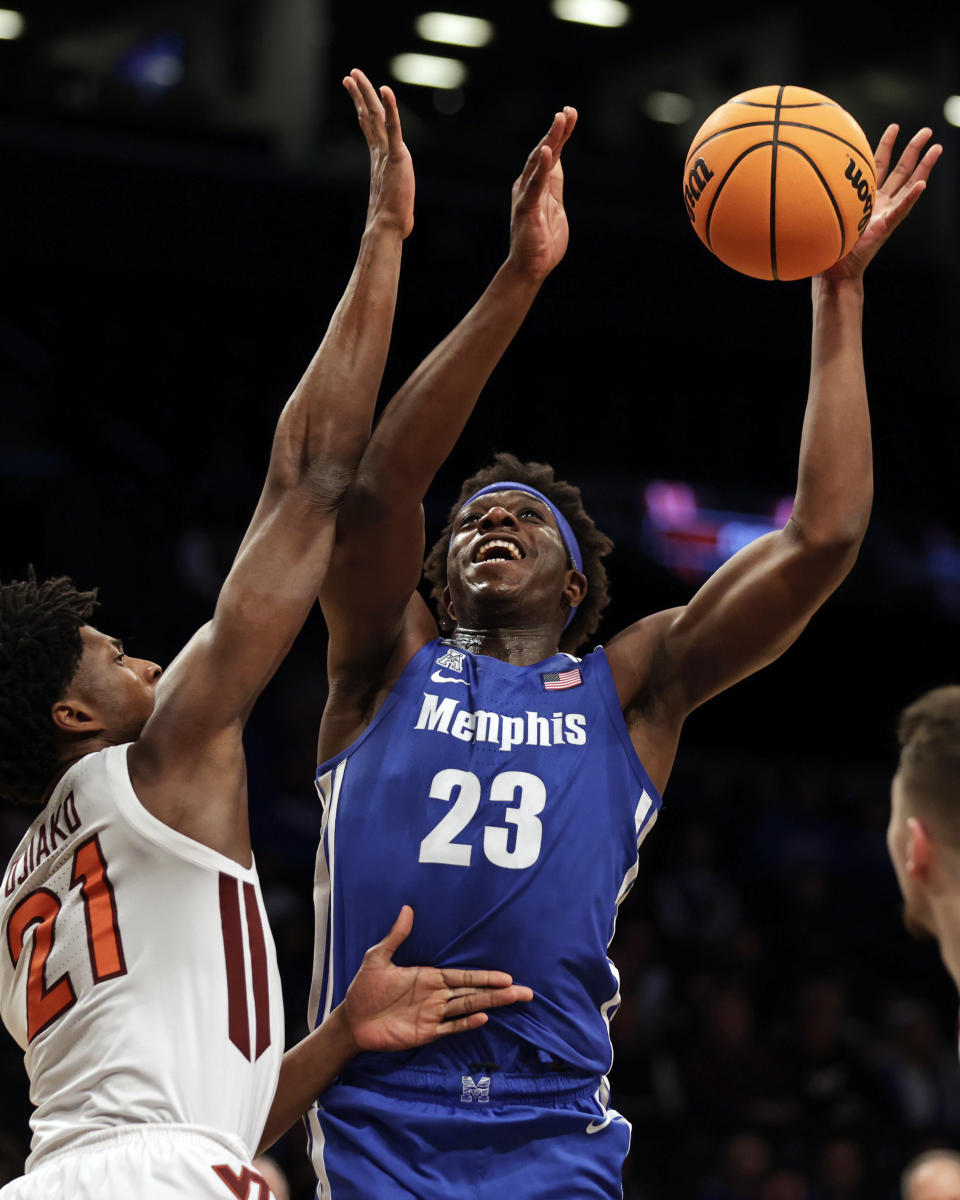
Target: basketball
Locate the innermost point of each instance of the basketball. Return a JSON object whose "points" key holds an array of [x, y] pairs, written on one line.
{"points": [[779, 182]]}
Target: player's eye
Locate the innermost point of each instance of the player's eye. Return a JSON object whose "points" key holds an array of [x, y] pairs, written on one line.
{"points": [[469, 519], [120, 657], [532, 512]]}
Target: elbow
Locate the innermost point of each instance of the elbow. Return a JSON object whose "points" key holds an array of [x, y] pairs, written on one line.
{"points": [[834, 525], [834, 545]]}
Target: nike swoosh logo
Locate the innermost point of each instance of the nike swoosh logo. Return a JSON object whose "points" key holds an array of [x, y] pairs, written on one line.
{"points": [[439, 677], [596, 1126]]}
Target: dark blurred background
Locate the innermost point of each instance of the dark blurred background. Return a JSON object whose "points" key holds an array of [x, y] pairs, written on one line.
{"points": [[183, 192]]}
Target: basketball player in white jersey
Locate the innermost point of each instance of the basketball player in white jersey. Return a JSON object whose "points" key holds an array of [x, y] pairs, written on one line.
{"points": [[500, 799], [137, 970]]}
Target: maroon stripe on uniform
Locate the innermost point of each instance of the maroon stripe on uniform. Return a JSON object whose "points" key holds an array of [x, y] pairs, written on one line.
{"points": [[258, 964], [238, 1018]]}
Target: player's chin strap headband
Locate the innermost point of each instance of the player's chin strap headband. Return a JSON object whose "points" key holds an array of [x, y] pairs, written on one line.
{"points": [[563, 525]]}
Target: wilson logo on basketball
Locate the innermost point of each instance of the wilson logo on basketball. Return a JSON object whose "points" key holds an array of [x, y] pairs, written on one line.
{"points": [[698, 178], [862, 188]]}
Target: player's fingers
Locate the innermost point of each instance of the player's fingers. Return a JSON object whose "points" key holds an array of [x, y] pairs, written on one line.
{"points": [[464, 1002], [355, 96], [535, 155], [927, 163], [884, 151], [461, 1024], [398, 933], [392, 119], [908, 160], [455, 979], [367, 90], [570, 120], [537, 183], [904, 203]]}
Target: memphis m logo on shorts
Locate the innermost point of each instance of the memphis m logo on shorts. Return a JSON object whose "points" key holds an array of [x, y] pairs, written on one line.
{"points": [[475, 1091]]}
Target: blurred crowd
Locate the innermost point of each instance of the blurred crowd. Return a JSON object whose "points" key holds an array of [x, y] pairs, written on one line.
{"points": [[780, 1036]]}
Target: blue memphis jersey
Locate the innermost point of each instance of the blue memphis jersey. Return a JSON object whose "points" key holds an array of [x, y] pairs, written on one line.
{"points": [[506, 804]]}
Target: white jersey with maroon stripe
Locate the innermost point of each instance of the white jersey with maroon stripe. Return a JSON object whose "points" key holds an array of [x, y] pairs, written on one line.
{"points": [[137, 970]]}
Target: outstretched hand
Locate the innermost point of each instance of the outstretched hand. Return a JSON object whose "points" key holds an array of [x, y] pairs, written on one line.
{"points": [[538, 222], [391, 167], [897, 193], [394, 1008]]}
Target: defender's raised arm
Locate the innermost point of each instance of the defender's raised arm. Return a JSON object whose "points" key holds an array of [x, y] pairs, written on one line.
{"points": [[186, 767]]}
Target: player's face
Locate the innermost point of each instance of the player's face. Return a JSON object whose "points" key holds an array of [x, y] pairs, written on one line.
{"points": [[117, 688], [916, 907], [506, 551]]}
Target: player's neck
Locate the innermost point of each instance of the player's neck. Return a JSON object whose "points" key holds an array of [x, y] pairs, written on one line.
{"points": [[72, 752], [520, 645]]}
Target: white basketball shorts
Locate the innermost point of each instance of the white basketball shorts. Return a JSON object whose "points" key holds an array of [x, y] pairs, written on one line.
{"points": [[149, 1162]]}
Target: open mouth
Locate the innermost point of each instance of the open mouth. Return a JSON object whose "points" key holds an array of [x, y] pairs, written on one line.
{"points": [[498, 550]]}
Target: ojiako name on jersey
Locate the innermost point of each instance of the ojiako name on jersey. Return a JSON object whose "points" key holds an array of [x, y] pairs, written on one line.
{"points": [[531, 729], [58, 827]]}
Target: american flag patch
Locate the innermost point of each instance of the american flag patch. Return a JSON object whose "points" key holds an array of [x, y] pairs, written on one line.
{"points": [[556, 681]]}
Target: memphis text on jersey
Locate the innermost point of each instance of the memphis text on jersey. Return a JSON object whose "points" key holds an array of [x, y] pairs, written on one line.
{"points": [[60, 825], [531, 729]]}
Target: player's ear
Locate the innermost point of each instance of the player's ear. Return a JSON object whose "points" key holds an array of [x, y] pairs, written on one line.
{"points": [[920, 850], [72, 716], [575, 588], [448, 605], [75, 713]]}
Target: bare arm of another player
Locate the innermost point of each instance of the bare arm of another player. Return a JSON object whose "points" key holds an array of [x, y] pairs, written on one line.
{"points": [[758, 602], [386, 1008], [379, 552], [187, 766]]}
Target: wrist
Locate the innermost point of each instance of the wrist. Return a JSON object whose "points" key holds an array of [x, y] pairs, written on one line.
{"points": [[517, 275], [341, 1033], [839, 289], [386, 227]]}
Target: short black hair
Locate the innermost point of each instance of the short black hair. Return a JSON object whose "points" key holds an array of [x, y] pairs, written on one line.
{"points": [[594, 545], [40, 649]]}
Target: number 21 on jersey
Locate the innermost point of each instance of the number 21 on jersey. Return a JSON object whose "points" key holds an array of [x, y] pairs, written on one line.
{"points": [[523, 796], [41, 908]]}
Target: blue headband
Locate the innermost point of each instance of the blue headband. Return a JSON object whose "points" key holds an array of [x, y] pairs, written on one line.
{"points": [[563, 525]]}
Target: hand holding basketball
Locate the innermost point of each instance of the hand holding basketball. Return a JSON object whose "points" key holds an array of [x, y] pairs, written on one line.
{"points": [[897, 193], [538, 222]]}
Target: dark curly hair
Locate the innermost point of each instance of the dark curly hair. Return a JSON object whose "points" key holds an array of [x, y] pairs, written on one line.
{"points": [[40, 650], [594, 545]]}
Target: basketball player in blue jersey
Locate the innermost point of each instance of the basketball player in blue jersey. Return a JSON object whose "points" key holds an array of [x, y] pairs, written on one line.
{"points": [[478, 767], [137, 972]]}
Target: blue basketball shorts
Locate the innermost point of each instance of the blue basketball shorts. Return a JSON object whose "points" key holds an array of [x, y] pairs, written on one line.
{"points": [[431, 1133]]}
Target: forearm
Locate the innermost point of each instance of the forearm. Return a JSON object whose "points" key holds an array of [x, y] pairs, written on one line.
{"points": [[421, 424], [326, 422], [835, 480], [307, 1070]]}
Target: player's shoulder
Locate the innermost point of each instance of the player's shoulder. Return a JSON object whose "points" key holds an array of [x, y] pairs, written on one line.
{"points": [[642, 637]]}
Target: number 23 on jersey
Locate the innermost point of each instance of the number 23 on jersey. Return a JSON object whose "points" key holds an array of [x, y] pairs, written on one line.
{"points": [[440, 846]]}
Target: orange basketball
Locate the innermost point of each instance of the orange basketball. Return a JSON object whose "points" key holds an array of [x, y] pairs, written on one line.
{"points": [[779, 182]]}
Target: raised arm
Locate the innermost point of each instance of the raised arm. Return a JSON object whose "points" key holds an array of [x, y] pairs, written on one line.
{"points": [[386, 1008], [187, 766], [379, 551], [757, 603]]}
